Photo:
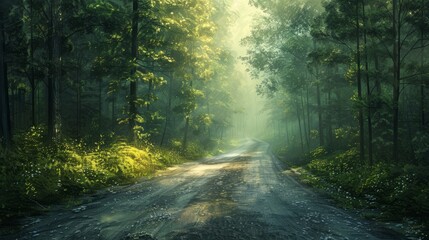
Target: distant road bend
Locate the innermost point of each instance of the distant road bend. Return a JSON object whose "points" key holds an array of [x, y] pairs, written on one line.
{"points": [[243, 194]]}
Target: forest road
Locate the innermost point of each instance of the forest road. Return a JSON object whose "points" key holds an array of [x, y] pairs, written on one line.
{"points": [[243, 194]]}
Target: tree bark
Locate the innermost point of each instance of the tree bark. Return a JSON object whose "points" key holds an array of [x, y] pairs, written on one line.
{"points": [[359, 86], [133, 83], [100, 104], [168, 110], [308, 113], [368, 89], [78, 100], [304, 122], [5, 126], [32, 79], [185, 136], [329, 121], [187, 121], [396, 79], [319, 111], [54, 72], [422, 83], [300, 127]]}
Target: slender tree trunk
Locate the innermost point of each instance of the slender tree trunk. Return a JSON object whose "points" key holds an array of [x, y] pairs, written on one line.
{"points": [[149, 93], [113, 112], [287, 135], [51, 73], [185, 137], [133, 83], [54, 70], [319, 111], [5, 126], [359, 85], [78, 100], [329, 120], [20, 116], [50, 85], [319, 104], [422, 106], [377, 78], [300, 127], [396, 79], [368, 89], [100, 104], [168, 110], [422, 63], [304, 122], [209, 113], [187, 121], [308, 113], [32, 80]]}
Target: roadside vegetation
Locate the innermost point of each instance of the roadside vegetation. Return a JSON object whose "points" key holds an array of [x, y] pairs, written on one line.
{"points": [[96, 94], [34, 175], [346, 84], [385, 192]]}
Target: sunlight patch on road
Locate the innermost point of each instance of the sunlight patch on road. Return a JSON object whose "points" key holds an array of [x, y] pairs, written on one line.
{"points": [[114, 217], [202, 212], [203, 169]]}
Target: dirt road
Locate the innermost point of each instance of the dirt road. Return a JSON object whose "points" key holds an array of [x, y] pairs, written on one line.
{"points": [[243, 194]]}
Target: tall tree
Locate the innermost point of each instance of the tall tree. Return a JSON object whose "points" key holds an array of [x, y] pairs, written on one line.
{"points": [[133, 82], [5, 126]]}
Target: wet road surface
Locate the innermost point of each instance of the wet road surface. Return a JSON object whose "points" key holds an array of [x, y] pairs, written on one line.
{"points": [[243, 194]]}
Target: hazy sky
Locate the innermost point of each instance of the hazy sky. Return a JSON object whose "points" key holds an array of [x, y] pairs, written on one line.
{"points": [[251, 122], [242, 26]]}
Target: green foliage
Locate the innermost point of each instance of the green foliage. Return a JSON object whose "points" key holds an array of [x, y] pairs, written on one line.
{"points": [[34, 172], [318, 152], [400, 191]]}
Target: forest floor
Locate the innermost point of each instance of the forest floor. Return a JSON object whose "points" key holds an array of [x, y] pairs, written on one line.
{"points": [[243, 194]]}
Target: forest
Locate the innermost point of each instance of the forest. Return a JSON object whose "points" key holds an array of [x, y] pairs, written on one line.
{"points": [[347, 89], [99, 93], [95, 93]]}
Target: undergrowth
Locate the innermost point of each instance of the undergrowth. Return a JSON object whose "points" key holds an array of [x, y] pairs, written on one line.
{"points": [[34, 174], [395, 191]]}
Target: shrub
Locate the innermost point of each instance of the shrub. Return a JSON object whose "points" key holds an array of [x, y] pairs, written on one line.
{"points": [[34, 173]]}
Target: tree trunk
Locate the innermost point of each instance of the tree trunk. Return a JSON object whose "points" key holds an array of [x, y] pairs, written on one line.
{"points": [[51, 81], [368, 89], [5, 126], [100, 103], [329, 121], [308, 113], [300, 127], [133, 83], [168, 110], [113, 112], [32, 80], [377, 80], [185, 137], [319, 111], [422, 63], [187, 120], [396, 79], [54, 72], [78, 101], [287, 135], [304, 122], [359, 85]]}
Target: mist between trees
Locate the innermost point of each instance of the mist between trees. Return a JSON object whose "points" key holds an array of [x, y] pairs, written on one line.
{"points": [[154, 70], [344, 81], [95, 93], [346, 73], [347, 84]]}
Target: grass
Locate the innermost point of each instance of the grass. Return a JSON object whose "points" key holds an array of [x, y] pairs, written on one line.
{"points": [[384, 191], [34, 175]]}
